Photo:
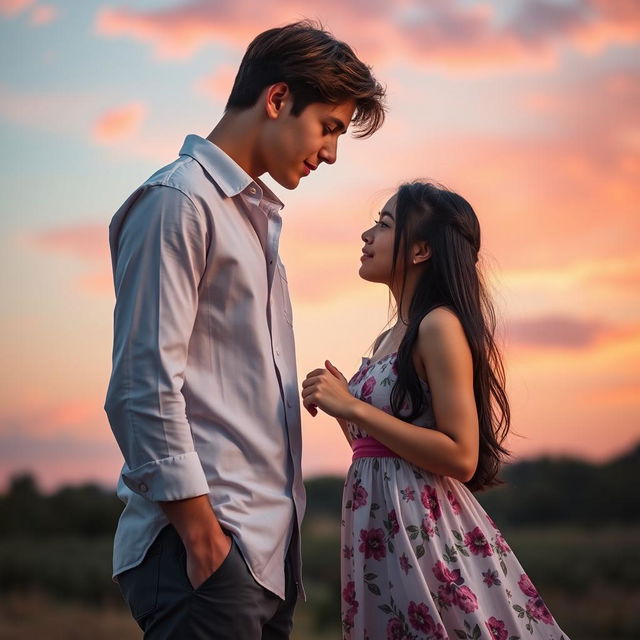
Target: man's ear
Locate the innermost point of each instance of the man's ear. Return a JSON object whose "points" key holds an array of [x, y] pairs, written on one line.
{"points": [[420, 252], [276, 97]]}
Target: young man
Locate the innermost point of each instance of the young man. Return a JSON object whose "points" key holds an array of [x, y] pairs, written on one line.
{"points": [[203, 396]]}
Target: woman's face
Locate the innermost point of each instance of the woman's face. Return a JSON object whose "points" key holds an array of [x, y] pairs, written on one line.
{"points": [[377, 253]]}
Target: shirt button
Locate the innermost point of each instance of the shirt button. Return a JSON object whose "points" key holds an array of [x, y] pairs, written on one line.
{"points": [[143, 487], [252, 191]]}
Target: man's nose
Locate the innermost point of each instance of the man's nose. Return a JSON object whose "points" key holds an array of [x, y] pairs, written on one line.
{"points": [[329, 152]]}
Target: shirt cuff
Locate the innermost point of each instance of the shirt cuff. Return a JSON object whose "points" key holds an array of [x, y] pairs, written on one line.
{"points": [[174, 478]]}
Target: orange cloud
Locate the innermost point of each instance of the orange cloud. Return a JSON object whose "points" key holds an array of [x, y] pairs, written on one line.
{"points": [[565, 400], [43, 14], [119, 123], [615, 396], [12, 8]]}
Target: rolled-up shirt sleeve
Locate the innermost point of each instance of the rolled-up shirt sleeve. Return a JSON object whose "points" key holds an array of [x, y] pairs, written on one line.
{"points": [[159, 248]]}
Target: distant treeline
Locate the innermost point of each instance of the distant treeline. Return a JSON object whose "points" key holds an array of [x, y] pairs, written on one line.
{"points": [[536, 492]]}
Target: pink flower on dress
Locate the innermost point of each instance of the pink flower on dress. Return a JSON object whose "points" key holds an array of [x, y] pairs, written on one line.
{"points": [[477, 543], [395, 629], [350, 615], [420, 619], [497, 629], [537, 609], [465, 599], [444, 574], [360, 496], [393, 522], [367, 388], [427, 526], [446, 593], [408, 494], [490, 577], [439, 633], [430, 501], [502, 545], [394, 366], [526, 586], [349, 593], [372, 544], [404, 564], [453, 501]]}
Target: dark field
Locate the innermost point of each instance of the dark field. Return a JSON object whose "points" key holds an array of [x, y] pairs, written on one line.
{"points": [[574, 526], [61, 587]]}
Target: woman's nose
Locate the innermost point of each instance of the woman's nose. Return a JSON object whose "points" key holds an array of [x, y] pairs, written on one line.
{"points": [[366, 236]]}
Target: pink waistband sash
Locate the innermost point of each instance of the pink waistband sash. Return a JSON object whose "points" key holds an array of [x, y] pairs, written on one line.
{"points": [[370, 448]]}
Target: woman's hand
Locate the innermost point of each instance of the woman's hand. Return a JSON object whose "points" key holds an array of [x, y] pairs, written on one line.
{"points": [[327, 389]]}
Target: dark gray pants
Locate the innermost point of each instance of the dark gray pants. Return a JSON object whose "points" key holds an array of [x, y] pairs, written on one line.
{"points": [[229, 605]]}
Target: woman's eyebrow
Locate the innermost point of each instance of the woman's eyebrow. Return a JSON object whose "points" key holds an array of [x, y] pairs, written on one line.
{"points": [[382, 214]]}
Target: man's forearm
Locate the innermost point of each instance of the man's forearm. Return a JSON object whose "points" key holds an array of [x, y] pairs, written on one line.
{"points": [[194, 520]]}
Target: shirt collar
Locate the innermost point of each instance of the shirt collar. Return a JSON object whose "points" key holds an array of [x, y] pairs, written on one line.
{"points": [[225, 172]]}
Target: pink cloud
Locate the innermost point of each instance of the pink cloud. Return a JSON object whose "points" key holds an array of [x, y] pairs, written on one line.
{"points": [[79, 114], [58, 459], [61, 113], [439, 33], [43, 14], [85, 241], [120, 123], [88, 243], [38, 415], [557, 332], [217, 86], [12, 8], [176, 32]]}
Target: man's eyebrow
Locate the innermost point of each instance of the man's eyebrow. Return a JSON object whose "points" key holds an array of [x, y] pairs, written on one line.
{"points": [[341, 126]]}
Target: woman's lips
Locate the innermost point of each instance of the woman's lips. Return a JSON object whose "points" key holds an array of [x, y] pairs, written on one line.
{"points": [[365, 256]]}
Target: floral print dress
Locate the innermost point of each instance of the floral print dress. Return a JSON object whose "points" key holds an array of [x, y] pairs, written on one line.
{"points": [[421, 559]]}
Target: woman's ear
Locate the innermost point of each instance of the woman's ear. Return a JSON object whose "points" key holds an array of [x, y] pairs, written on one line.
{"points": [[276, 97], [420, 252]]}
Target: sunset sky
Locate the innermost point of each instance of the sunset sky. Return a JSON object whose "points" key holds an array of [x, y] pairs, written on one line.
{"points": [[529, 108]]}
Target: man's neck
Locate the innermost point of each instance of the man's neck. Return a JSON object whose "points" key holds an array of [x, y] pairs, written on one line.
{"points": [[236, 135]]}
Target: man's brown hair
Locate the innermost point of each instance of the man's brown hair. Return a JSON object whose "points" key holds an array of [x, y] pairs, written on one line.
{"points": [[316, 67]]}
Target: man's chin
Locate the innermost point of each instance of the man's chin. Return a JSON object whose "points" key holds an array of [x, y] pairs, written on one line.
{"points": [[288, 182]]}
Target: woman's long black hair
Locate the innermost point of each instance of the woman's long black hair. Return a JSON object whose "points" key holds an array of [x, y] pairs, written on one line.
{"points": [[448, 224]]}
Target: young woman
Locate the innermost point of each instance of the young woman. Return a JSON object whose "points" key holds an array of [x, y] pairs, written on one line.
{"points": [[426, 416]]}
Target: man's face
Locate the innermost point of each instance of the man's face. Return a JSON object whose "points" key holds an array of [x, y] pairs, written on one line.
{"points": [[296, 145]]}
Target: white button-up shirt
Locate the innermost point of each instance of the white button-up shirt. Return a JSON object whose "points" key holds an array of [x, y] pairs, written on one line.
{"points": [[203, 396]]}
